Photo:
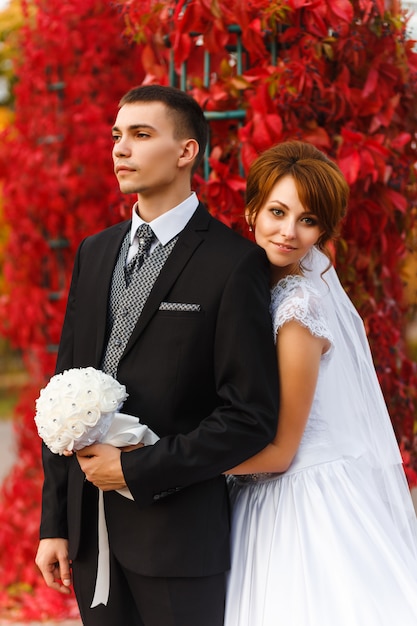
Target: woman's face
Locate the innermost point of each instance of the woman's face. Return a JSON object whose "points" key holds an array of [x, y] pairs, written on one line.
{"points": [[285, 228]]}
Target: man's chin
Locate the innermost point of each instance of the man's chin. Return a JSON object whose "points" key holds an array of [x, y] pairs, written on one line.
{"points": [[124, 188]]}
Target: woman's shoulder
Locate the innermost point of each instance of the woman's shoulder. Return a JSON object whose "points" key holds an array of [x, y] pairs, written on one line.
{"points": [[294, 288], [296, 298]]}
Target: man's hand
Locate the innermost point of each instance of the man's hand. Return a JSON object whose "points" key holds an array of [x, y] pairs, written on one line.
{"points": [[133, 446], [52, 560], [102, 466]]}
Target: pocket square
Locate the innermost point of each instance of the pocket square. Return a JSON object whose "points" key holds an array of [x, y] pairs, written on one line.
{"points": [[179, 306]]}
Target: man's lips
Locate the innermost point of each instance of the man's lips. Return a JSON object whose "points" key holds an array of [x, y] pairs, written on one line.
{"points": [[123, 168]]}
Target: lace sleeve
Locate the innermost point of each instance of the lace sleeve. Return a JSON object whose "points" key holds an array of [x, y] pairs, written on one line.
{"points": [[294, 298]]}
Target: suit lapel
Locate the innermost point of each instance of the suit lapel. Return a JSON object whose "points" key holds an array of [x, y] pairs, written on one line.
{"points": [[189, 240]]}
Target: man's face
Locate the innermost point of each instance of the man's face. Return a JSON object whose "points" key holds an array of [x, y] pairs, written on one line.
{"points": [[145, 152]]}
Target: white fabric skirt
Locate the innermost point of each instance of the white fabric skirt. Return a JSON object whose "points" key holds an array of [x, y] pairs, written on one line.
{"points": [[313, 547]]}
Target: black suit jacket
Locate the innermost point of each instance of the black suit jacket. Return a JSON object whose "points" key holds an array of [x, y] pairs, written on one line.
{"points": [[205, 381]]}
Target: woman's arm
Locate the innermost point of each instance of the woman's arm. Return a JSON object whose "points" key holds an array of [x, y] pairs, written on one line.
{"points": [[299, 354]]}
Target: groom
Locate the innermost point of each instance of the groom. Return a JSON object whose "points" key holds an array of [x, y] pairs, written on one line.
{"points": [[187, 330]]}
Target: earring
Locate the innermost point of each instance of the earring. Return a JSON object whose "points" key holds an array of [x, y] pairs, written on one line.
{"points": [[250, 229]]}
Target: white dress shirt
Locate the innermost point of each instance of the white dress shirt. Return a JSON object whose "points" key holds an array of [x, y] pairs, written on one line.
{"points": [[166, 226]]}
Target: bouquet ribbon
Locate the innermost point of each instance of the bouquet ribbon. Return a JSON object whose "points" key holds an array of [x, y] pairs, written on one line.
{"points": [[125, 430]]}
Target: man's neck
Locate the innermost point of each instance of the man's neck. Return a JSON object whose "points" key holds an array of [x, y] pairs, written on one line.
{"points": [[151, 207]]}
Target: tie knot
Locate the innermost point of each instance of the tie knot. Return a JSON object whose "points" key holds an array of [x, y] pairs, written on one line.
{"points": [[145, 235], [144, 231]]}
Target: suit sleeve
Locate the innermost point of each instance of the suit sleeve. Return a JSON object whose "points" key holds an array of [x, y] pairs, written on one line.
{"points": [[246, 378], [55, 467]]}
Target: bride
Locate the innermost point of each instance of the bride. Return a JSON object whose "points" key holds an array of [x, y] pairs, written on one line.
{"points": [[323, 527]]}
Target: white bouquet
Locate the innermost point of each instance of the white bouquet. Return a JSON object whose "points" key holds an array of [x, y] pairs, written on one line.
{"points": [[77, 407]]}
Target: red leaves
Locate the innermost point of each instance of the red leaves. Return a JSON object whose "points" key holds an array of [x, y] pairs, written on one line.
{"points": [[409, 465], [362, 157], [58, 186], [224, 193], [264, 128], [317, 15], [371, 82], [342, 9]]}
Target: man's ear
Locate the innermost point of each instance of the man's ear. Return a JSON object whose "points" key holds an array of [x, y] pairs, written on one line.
{"points": [[189, 152]]}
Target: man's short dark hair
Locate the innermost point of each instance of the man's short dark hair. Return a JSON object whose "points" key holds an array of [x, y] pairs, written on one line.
{"points": [[189, 120]]}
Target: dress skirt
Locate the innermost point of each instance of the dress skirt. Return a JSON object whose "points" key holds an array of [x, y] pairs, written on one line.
{"points": [[313, 547]]}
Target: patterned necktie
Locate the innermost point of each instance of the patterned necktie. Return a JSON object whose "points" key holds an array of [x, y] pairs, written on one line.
{"points": [[126, 302], [145, 236]]}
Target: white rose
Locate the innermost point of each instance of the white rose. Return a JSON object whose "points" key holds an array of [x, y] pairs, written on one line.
{"points": [[109, 401], [75, 429], [63, 441], [94, 433]]}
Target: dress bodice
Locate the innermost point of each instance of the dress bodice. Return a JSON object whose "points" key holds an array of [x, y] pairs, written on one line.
{"points": [[295, 298]]}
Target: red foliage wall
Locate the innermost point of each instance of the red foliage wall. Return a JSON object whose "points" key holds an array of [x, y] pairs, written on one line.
{"points": [[334, 72], [58, 187]]}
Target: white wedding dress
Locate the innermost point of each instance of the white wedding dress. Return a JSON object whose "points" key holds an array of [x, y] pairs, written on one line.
{"points": [[318, 545]]}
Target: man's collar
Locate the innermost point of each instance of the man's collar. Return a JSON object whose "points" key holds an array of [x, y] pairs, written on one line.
{"points": [[169, 224]]}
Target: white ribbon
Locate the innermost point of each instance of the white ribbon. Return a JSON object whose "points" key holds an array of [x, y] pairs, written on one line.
{"points": [[125, 430]]}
